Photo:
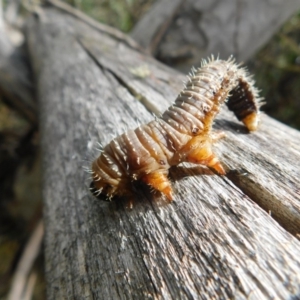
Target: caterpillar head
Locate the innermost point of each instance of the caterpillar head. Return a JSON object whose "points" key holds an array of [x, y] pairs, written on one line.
{"points": [[109, 187], [102, 190]]}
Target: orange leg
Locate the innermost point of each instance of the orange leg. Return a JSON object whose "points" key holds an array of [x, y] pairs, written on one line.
{"points": [[217, 135], [214, 163], [129, 203], [211, 161], [160, 182], [205, 156]]}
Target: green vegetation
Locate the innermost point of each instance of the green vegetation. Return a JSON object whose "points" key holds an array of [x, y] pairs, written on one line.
{"points": [[122, 14], [277, 69]]}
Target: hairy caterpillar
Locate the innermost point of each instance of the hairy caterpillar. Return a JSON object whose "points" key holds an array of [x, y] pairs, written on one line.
{"points": [[181, 134]]}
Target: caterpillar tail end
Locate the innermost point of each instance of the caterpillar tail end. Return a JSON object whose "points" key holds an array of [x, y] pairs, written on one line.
{"points": [[251, 121]]}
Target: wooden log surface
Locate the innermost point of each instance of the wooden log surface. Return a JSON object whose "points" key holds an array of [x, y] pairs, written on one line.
{"points": [[213, 241]]}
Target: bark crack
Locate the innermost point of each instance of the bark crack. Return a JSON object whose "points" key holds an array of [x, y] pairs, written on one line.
{"points": [[153, 109]]}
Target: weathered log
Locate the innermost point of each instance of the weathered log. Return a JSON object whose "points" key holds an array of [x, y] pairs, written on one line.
{"points": [[213, 241], [184, 36]]}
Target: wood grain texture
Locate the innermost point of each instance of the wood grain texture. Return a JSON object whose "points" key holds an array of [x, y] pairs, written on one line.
{"points": [[214, 241]]}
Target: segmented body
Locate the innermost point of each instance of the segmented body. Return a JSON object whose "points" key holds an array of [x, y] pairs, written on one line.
{"points": [[181, 134]]}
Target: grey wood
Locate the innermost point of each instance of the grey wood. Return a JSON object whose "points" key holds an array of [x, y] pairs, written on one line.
{"points": [[203, 27], [214, 241], [150, 28]]}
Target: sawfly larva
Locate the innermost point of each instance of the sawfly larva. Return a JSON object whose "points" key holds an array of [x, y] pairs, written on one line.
{"points": [[182, 134]]}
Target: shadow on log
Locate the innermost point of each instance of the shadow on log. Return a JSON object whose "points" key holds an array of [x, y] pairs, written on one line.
{"points": [[213, 241]]}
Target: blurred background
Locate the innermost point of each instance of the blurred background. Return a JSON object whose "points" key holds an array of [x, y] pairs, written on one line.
{"points": [[276, 69]]}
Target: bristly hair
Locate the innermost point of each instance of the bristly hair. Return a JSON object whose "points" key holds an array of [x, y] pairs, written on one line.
{"points": [[183, 133]]}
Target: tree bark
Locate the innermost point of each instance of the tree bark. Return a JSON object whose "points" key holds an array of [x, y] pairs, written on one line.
{"points": [[202, 27], [213, 241]]}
